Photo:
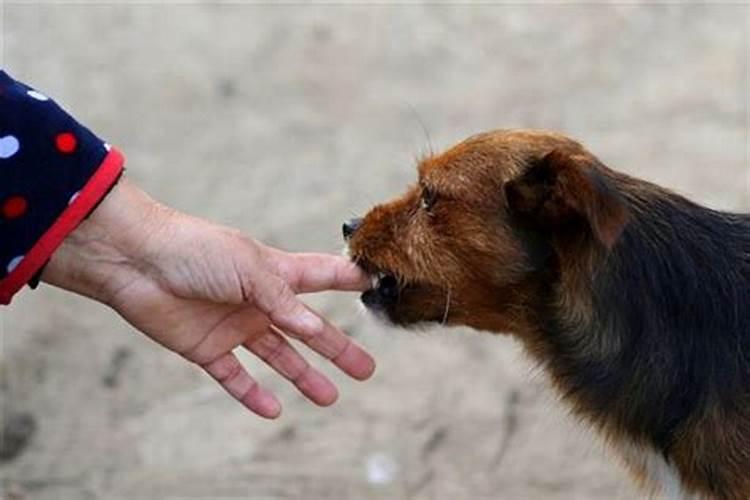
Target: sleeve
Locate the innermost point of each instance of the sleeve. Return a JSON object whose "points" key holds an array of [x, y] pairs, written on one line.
{"points": [[53, 173]]}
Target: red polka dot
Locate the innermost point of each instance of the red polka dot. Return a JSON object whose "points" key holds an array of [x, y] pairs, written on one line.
{"points": [[15, 207], [66, 142]]}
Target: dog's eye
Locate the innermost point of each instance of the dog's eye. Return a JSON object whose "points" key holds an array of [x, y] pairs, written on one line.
{"points": [[429, 197]]}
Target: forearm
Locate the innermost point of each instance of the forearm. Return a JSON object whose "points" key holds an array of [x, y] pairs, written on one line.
{"points": [[102, 254]]}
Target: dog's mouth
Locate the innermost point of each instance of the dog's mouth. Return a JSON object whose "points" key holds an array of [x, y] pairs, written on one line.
{"points": [[400, 301], [385, 287]]}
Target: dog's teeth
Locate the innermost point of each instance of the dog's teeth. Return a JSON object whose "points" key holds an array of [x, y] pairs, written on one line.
{"points": [[377, 277]]}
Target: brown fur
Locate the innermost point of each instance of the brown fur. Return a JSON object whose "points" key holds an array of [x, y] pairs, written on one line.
{"points": [[526, 232]]}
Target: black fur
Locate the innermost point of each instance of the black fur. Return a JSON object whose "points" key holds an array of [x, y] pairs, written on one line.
{"points": [[670, 329]]}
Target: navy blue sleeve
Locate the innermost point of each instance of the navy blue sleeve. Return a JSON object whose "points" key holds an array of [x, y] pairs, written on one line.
{"points": [[53, 172]]}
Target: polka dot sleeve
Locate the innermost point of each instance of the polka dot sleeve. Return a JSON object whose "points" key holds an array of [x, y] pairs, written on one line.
{"points": [[53, 173]]}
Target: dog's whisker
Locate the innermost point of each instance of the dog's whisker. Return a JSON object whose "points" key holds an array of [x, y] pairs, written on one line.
{"points": [[447, 307], [425, 131]]}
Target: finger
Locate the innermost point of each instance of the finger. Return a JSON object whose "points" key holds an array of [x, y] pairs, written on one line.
{"points": [[233, 377], [314, 272], [236, 326], [342, 351], [280, 355], [286, 311]]}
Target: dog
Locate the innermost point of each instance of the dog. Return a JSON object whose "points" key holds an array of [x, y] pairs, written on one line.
{"points": [[635, 300]]}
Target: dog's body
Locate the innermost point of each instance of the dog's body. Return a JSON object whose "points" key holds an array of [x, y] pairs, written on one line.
{"points": [[634, 299]]}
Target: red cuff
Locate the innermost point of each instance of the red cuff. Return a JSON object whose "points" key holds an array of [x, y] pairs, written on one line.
{"points": [[91, 194]]}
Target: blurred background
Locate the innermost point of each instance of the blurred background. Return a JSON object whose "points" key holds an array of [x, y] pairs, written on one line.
{"points": [[284, 120]]}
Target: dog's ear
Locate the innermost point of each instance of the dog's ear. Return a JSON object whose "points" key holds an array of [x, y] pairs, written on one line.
{"points": [[563, 187]]}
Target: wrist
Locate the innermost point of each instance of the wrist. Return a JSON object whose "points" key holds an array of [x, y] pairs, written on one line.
{"points": [[109, 248]]}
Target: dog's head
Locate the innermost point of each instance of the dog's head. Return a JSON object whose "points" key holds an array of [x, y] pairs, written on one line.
{"points": [[469, 242]]}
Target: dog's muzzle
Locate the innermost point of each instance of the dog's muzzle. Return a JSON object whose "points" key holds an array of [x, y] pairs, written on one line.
{"points": [[385, 287], [384, 292]]}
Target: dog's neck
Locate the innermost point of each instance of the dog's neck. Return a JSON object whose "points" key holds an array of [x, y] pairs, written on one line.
{"points": [[640, 337]]}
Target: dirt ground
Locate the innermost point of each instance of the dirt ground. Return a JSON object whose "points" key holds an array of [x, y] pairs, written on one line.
{"points": [[283, 120]]}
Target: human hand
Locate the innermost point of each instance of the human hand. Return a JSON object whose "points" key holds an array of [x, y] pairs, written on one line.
{"points": [[202, 290]]}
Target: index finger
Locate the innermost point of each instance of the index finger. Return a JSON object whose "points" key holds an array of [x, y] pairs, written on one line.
{"points": [[316, 272]]}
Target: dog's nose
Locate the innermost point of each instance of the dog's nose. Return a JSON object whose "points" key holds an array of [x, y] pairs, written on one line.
{"points": [[350, 226]]}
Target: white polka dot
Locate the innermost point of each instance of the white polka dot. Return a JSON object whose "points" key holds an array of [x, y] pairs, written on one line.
{"points": [[73, 198], [36, 95], [107, 146], [9, 146], [14, 263]]}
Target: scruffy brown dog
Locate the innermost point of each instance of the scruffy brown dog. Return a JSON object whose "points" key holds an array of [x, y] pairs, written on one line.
{"points": [[635, 300]]}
